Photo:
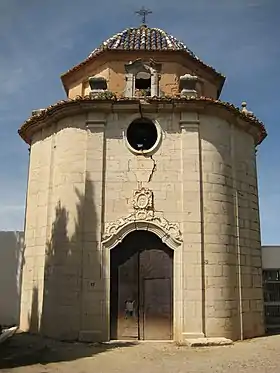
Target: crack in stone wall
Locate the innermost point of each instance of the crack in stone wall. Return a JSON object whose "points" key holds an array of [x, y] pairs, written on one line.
{"points": [[154, 168]]}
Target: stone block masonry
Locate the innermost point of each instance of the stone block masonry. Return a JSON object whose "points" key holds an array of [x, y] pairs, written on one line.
{"points": [[82, 178]]}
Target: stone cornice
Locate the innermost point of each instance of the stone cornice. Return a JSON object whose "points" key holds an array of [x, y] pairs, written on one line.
{"points": [[189, 124], [95, 123], [86, 104]]}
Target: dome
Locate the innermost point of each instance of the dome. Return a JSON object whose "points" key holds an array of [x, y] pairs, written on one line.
{"points": [[142, 38]]}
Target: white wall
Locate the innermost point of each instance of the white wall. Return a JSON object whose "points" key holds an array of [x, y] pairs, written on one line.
{"points": [[271, 257], [11, 254]]}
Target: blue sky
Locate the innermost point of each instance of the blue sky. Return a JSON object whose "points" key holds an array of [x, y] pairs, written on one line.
{"points": [[39, 40]]}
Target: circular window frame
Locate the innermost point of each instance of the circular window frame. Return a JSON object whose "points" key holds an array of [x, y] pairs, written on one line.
{"points": [[156, 145]]}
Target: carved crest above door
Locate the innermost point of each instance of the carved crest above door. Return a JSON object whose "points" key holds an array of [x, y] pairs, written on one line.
{"points": [[144, 217]]}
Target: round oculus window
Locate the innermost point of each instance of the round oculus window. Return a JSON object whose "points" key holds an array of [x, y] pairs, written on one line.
{"points": [[142, 135]]}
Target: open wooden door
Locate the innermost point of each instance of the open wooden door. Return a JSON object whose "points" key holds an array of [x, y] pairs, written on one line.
{"points": [[141, 288]]}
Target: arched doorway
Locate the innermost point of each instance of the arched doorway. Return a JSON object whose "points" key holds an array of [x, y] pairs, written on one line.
{"points": [[141, 288]]}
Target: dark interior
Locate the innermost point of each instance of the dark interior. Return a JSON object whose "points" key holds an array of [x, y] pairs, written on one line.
{"points": [[143, 84], [142, 134]]}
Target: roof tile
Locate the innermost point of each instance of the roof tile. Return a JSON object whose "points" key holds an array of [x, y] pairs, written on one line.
{"points": [[145, 39]]}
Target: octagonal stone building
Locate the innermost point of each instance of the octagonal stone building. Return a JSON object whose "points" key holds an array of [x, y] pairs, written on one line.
{"points": [[142, 216]]}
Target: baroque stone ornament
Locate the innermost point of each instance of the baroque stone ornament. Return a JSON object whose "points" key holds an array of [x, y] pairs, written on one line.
{"points": [[143, 199], [144, 217]]}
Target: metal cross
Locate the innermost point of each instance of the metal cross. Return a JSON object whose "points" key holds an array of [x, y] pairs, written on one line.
{"points": [[143, 12]]}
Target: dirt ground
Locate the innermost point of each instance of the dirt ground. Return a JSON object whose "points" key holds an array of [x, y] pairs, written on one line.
{"points": [[29, 354]]}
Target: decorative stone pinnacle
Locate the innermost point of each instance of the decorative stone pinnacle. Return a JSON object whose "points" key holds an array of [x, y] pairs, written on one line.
{"points": [[97, 83], [188, 85], [189, 77], [245, 110], [37, 112]]}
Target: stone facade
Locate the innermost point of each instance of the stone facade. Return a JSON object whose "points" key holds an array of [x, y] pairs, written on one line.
{"points": [[197, 191]]}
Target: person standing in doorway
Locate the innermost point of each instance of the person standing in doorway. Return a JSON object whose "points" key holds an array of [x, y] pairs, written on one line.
{"points": [[129, 308]]}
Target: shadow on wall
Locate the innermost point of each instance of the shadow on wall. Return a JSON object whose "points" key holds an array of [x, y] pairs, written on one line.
{"points": [[70, 303], [34, 316], [71, 265]]}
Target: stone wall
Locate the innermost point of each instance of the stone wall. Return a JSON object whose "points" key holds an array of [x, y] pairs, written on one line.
{"points": [[249, 240], [161, 172], [35, 231], [114, 73], [82, 176], [220, 256], [11, 261], [232, 249], [51, 286]]}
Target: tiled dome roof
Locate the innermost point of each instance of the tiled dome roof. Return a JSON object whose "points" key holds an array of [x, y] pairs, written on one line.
{"points": [[143, 38]]}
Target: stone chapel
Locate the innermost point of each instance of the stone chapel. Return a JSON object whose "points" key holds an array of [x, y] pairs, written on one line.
{"points": [[142, 214]]}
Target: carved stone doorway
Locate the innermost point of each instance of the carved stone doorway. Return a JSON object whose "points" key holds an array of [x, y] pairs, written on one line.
{"points": [[141, 288]]}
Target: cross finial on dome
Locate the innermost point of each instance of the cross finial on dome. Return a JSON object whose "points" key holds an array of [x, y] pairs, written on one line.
{"points": [[143, 12]]}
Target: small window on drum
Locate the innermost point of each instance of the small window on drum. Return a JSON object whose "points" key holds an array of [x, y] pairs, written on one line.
{"points": [[142, 135], [143, 82]]}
